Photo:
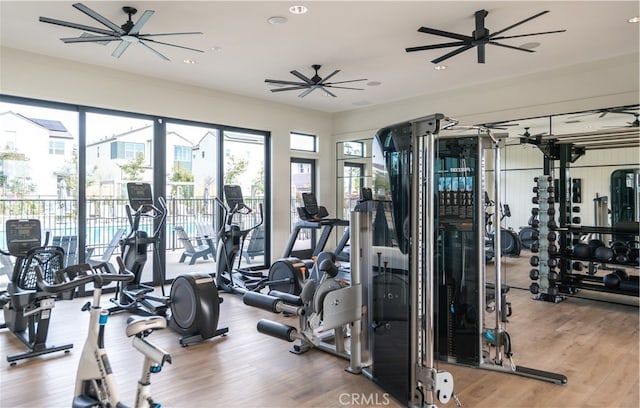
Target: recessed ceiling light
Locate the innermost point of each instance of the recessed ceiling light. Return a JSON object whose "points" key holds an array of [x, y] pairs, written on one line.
{"points": [[277, 20], [374, 83], [635, 19], [189, 61], [530, 45], [440, 67], [298, 9]]}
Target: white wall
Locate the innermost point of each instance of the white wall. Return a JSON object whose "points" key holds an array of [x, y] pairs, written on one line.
{"points": [[40, 77]]}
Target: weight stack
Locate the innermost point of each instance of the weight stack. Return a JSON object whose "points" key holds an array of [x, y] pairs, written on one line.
{"points": [[545, 275]]}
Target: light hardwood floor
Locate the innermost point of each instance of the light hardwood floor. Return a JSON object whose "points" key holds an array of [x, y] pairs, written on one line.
{"points": [[594, 343]]}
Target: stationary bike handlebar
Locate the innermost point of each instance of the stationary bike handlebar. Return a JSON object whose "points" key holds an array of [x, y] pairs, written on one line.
{"points": [[82, 274]]}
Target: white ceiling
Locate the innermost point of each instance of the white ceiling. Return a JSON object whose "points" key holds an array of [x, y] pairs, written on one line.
{"points": [[363, 39]]}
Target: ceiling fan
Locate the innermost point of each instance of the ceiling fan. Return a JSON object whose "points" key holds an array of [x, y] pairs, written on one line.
{"points": [[529, 138], [628, 110], [635, 123], [311, 84], [128, 33], [480, 37]]}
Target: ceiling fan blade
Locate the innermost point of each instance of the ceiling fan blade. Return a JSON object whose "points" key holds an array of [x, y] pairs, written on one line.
{"points": [[441, 33], [436, 46], [307, 92], [452, 53], [154, 51], [277, 81], [328, 92], [528, 35], [161, 34], [328, 76], [90, 38], [171, 45], [120, 49], [141, 21], [290, 88], [342, 87], [518, 23], [344, 82], [77, 26], [86, 10], [511, 47], [301, 76]]}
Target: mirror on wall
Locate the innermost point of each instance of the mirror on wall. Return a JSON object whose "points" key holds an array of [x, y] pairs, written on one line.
{"points": [[605, 141]]}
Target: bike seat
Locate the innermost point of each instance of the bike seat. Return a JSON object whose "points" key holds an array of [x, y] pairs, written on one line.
{"points": [[138, 325]]}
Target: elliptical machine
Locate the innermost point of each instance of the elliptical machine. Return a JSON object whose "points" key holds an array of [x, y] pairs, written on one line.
{"points": [[284, 274], [132, 295], [27, 310], [509, 239], [193, 300]]}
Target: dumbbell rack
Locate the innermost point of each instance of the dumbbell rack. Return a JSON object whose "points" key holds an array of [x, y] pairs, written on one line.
{"points": [[544, 274], [548, 283]]}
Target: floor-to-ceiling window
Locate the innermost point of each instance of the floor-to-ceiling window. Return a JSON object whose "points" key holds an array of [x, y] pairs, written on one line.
{"points": [[119, 150], [39, 170], [69, 166], [192, 176], [244, 161]]}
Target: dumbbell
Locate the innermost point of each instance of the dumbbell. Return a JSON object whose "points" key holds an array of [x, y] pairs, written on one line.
{"points": [[603, 254], [534, 288], [534, 261], [581, 250], [548, 178], [593, 245], [537, 189], [612, 280], [620, 251], [534, 274]]}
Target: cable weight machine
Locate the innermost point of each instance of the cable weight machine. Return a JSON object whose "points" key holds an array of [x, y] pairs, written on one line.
{"points": [[427, 288]]}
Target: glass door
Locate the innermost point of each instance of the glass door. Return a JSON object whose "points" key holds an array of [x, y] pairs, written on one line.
{"points": [[244, 164], [192, 165], [119, 150]]}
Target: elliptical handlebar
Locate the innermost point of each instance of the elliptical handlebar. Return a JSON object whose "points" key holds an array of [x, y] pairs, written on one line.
{"points": [[228, 214], [148, 210]]}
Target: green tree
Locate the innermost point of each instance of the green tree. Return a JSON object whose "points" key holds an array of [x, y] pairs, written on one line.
{"points": [[133, 169], [181, 175], [233, 168], [258, 183], [69, 172]]}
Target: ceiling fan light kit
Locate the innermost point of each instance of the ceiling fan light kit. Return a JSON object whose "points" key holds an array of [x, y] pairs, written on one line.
{"points": [[479, 38], [128, 33]]}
